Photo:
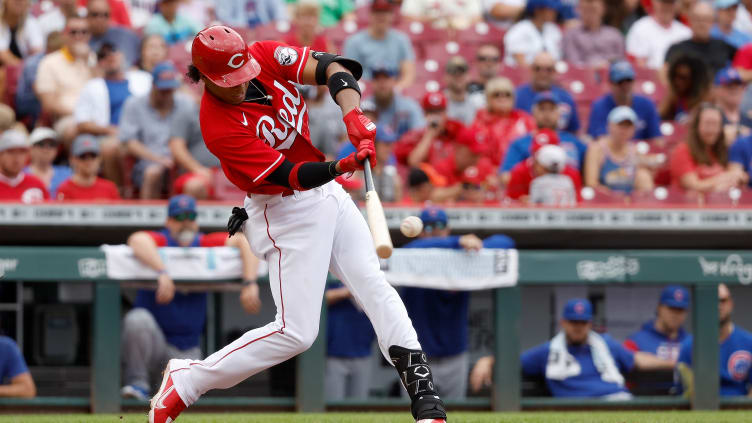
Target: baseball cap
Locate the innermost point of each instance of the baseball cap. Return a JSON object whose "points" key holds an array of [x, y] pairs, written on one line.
{"points": [[675, 296], [181, 204], [472, 139], [165, 76], [542, 138], [728, 76], [621, 71], [541, 4], [83, 144], [552, 157], [457, 65], [545, 96], [384, 70], [725, 4], [13, 139], [578, 310], [42, 133], [621, 114], [435, 101], [105, 49], [382, 5], [433, 215], [385, 135]]}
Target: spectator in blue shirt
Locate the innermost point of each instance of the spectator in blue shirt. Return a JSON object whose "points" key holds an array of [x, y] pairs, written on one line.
{"points": [[735, 353], [729, 92], [578, 362], [166, 324], [441, 317], [546, 112], [663, 335], [170, 24], [15, 379], [250, 13], [543, 79], [381, 46], [103, 31], [396, 113], [725, 16], [621, 76], [44, 149], [349, 337]]}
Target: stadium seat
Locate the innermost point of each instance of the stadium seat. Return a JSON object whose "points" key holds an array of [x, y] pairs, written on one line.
{"points": [[180, 56], [481, 33], [594, 197], [673, 133], [517, 75], [12, 74], [225, 190], [339, 33], [271, 31], [663, 196], [652, 88]]}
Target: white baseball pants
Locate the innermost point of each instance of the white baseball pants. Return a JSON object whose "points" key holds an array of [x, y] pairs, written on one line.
{"points": [[302, 237]]}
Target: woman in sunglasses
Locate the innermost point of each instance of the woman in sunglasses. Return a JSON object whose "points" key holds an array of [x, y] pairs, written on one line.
{"points": [[500, 122]]}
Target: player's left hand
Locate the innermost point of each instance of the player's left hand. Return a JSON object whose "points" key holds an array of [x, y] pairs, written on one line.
{"points": [[249, 299], [359, 127]]}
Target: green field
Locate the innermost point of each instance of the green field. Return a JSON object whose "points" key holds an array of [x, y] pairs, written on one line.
{"points": [[537, 417]]}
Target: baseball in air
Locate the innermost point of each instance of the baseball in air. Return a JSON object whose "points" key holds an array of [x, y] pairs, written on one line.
{"points": [[411, 226]]}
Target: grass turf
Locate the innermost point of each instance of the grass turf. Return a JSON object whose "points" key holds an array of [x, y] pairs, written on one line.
{"points": [[536, 417]]}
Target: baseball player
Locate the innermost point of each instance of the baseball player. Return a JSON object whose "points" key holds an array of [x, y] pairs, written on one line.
{"points": [[303, 223]]}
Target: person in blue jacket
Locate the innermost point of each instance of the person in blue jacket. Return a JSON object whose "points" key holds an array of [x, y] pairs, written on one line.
{"points": [[578, 362], [441, 317], [735, 353], [349, 338], [15, 379]]}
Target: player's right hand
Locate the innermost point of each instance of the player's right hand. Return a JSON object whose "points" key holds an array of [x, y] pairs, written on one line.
{"points": [[165, 289]]}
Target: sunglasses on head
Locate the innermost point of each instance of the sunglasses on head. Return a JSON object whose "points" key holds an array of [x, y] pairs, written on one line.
{"points": [[488, 58], [434, 226], [182, 217]]}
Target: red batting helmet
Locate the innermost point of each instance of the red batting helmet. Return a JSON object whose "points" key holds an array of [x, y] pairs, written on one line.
{"points": [[222, 55]]}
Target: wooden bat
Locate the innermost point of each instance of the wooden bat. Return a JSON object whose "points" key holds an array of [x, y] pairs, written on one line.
{"points": [[382, 241]]}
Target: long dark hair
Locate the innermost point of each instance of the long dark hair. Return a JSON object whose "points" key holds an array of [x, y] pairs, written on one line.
{"points": [[699, 85], [697, 148]]}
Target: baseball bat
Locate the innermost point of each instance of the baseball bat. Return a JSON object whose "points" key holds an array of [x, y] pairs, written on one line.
{"points": [[382, 241]]}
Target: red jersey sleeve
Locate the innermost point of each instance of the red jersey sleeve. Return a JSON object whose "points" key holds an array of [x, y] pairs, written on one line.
{"points": [[519, 181], [281, 59], [158, 238], [406, 144], [214, 239], [681, 163]]}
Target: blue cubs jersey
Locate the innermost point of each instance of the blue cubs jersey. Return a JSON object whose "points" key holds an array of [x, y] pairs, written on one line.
{"points": [[648, 339], [588, 383], [349, 333], [568, 119], [735, 361], [648, 121], [519, 151]]}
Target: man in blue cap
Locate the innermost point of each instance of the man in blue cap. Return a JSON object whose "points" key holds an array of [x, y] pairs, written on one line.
{"points": [[145, 128], [578, 362], [663, 335], [729, 92], [546, 113], [441, 317], [543, 78], [725, 15], [397, 113], [621, 76], [165, 324]]}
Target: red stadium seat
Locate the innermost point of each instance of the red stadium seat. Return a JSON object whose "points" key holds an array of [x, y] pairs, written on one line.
{"points": [[592, 196], [224, 189], [517, 75], [271, 31], [339, 33], [12, 74], [652, 88], [481, 33], [660, 197], [673, 133], [180, 56], [724, 198], [581, 82]]}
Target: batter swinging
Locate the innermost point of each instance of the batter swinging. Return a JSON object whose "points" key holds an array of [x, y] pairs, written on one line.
{"points": [[299, 220]]}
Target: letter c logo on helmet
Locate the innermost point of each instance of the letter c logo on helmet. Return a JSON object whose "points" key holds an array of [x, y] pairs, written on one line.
{"points": [[236, 65]]}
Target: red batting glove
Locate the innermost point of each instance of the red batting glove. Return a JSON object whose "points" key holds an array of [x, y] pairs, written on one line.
{"points": [[359, 127], [354, 161]]}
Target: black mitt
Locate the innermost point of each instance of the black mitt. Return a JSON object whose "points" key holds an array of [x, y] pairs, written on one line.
{"points": [[238, 217]]}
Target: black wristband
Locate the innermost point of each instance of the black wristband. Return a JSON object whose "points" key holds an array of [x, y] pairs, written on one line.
{"points": [[333, 169], [341, 81]]}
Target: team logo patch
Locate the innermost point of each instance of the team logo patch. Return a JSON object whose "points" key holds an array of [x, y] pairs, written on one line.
{"points": [[678, 295], [739, 364], [285, 56], [579, 308], [234, 63]]}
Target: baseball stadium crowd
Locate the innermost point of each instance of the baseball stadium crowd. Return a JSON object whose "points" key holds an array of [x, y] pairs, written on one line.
{"points": [[550, 102]]}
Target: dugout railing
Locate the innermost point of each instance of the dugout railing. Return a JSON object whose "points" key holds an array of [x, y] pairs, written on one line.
{"points": [[700, 270]]}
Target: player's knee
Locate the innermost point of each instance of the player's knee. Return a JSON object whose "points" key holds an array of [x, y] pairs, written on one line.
{"points": [[302, 341]]}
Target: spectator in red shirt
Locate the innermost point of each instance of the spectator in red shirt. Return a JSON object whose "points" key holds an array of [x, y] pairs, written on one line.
{"points": [[433, 143], [85, 184], [306, 30], [541, 162], [701, 163], [500, 122], [468, 175], [15, 185]]}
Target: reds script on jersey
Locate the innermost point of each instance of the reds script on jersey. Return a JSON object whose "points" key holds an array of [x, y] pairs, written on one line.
{"points": [[252, 139]]}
